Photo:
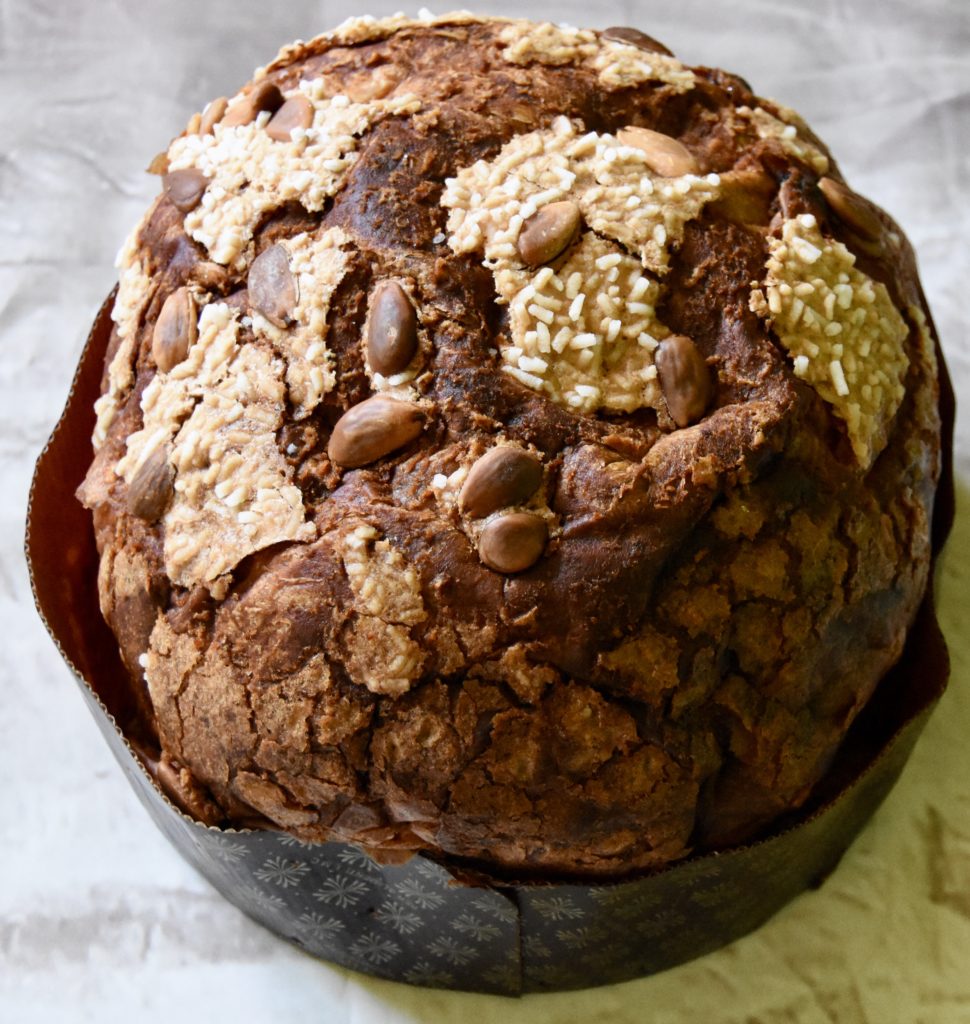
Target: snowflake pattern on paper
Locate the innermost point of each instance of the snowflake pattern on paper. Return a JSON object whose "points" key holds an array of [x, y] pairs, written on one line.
{"points": [[449, 949], [502, 909], [412, 891], [475, 929], [535, 946], [429, 871], [354, 858], [574, 938], [267, 902], [228, 851], [425, 973], [374, 949], [319, 927], [400, 917], [293, 841], [557, 908], [282, 872], [342, 891]]}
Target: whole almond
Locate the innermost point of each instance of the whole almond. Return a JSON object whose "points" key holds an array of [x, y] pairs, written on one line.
{"points": [[663, 154], [634, 37], [392, 329], [852, 209], [272, 288], [185, 187], [501, 477], [176, 330], [152, 486], [212, 115], [513, 542], [547, 232], [296, 112], [374, 428], [265, 96], [685, 379]]}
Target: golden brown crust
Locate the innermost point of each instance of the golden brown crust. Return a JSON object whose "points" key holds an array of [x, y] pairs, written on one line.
{"points": [[713, 604]]}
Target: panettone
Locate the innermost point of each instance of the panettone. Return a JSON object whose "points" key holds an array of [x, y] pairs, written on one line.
{"points": [[515, 444]]}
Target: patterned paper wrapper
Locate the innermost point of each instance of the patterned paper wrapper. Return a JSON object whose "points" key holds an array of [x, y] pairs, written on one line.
{"points": [[423, 922]]}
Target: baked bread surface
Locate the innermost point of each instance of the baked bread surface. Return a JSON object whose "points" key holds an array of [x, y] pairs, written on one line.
{"points": [[514, 444]]}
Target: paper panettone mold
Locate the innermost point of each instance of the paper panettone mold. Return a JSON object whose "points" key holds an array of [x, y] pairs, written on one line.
{"points": [[565, 335], [425, 923]]}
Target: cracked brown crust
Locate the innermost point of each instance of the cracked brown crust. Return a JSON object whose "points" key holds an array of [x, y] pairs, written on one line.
{"points": [[719, 603]]}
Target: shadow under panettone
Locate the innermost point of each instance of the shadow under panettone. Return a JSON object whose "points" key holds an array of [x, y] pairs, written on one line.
{"points": [[425, 922]]}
